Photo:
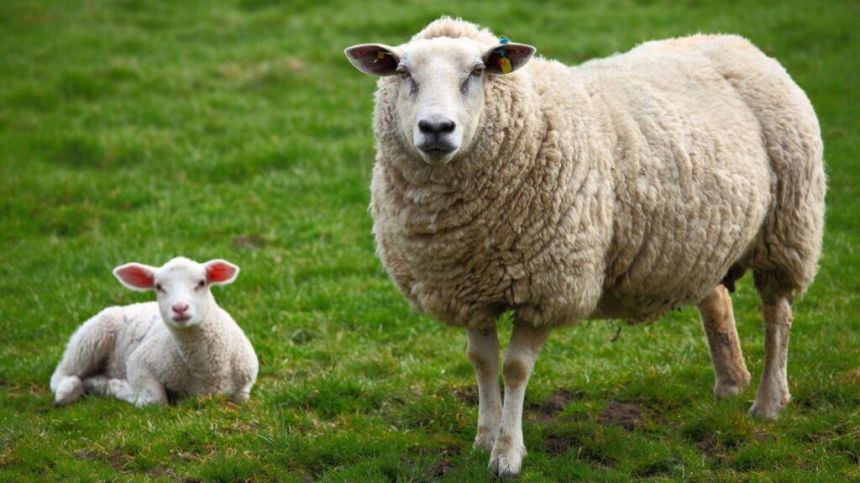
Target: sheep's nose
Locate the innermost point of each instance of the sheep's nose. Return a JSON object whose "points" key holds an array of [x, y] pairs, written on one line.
{"points": [[180, 308], [436, 125]]}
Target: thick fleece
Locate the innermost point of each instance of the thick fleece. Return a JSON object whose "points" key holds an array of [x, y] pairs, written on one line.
{"points": [[619, 188], [130, 352]]}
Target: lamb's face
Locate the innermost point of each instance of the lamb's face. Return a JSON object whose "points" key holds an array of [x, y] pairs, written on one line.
{"points": [[440, 97], [181, 286]]}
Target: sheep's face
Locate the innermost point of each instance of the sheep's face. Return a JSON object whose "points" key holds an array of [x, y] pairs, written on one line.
{"points": [[181, 286], [440, 98]]}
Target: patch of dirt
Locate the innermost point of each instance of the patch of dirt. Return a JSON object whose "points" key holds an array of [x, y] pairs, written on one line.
{"points": [[468, 394], [561, 444], [558, 444], [250, 242], [440, 469], [555, 403], [708, 445], [116, 459], [852, 376], [625, 415]]}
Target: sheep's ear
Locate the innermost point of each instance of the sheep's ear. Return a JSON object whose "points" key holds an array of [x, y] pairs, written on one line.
{"points": [[506, 58], [220, 272], [373, 59], [136, 276]]}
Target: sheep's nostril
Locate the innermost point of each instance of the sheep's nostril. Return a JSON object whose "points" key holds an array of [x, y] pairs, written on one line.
{"points": [[180, 308], [436, 126]]}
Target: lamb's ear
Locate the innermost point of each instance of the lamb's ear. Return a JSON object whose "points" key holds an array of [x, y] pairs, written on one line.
{"points": [[220, 272], [506, 58], [136, 276], [373, 59]]}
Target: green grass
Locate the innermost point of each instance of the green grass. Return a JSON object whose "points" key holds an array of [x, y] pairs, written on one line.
{"points": [[140, 130]]}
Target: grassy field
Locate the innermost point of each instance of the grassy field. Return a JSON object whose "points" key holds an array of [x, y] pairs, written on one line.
{"points": [[139, 130]]}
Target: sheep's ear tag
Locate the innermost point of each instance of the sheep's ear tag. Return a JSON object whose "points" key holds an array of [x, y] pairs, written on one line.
{"points": [[502, 57], [507, 57]]}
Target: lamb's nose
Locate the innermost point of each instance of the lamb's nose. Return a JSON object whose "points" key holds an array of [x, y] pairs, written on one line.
{"points": [[180, 308], [436, 125]]}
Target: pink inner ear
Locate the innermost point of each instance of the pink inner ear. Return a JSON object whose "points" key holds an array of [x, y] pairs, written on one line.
{"points": [[219, 272], [136, 277]]}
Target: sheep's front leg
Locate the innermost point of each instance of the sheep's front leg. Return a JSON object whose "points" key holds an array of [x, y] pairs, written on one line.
{"points": [[483, 351], [523, 350], [143, 387]]}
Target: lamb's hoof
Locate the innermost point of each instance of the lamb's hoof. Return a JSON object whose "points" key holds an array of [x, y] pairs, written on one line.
{"points": [[769, 408], [484, 440], [506, 458], [68, 391]]}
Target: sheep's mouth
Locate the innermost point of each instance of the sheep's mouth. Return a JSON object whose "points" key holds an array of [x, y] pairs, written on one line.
{"points": [[181, 318], [437, 151]]}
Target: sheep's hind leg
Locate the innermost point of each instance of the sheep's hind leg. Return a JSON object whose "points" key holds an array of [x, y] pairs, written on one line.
{"points": [[86, 351], [483, 351], [242, 394], [731, 374], [67, 389], [773, 393], [523, 350]]}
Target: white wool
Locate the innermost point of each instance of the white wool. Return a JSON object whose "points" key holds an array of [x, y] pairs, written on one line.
{"points": [[620, 188], [133, 353]]}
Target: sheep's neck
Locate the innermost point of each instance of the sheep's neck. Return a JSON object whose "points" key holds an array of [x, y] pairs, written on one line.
{"points": [[490, 173]]}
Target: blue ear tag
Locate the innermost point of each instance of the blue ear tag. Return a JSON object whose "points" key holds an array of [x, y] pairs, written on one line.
{"points": [[504, 62]]}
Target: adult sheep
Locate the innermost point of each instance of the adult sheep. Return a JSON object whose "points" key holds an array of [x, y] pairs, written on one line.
{"points": [[620, 188]]}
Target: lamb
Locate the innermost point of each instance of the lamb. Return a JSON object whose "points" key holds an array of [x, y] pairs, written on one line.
{"points": [[620, 188], [183, 343]]}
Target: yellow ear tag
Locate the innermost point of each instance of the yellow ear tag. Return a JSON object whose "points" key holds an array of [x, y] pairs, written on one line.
{"points": [[505, 65], [380, 54]]}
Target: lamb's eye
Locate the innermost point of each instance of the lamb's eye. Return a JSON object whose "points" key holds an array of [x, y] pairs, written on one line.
{"points": [[159, 287], [201, 283], [403, 73], [478, 71]]}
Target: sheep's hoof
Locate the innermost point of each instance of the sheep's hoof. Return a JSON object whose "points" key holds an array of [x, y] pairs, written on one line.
{"points": [[769, 408], [68, 391], [506, 459], [724, 391], [484, 440]]}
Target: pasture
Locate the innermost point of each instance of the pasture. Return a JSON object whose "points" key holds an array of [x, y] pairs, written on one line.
{"points": [[136, 130]]}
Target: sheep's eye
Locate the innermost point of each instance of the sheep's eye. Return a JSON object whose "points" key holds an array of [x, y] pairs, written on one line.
{"points": [[159, 287], [201, 283], [403, 73], [477, 71]]}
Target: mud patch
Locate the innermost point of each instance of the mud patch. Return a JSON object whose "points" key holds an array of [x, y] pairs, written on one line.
{"points": [[624, 415], [440, 468], [561, 444], [852, 376], [555, 403], [249, 242], [116, 459], [468, 395]]}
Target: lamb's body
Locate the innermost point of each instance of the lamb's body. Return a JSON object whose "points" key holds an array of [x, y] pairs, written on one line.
{"points": [[620, 188], [131, 353]]}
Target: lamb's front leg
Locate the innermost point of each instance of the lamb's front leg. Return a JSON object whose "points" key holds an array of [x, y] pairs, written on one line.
{"points": [[483, 351], [143, 387], [523, 350]]}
